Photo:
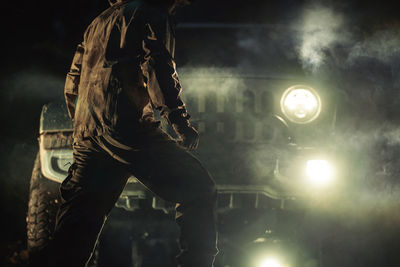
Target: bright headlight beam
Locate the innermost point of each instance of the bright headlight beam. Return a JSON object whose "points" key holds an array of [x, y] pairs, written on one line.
{"points": [[319, 172], [301, 104]]}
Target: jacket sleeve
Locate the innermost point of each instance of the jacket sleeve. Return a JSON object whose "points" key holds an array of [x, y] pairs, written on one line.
{"points": [[159, 69], [72, 81]]}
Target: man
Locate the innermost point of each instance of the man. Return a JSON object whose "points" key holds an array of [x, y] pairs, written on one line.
{"points": [[122, 71]]}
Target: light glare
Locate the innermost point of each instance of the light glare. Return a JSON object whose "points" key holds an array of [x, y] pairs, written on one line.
{"points": [[319, 172], [270, 262]]}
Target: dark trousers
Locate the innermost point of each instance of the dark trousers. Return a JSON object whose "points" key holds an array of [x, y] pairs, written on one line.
{"points": [[97, 177]]}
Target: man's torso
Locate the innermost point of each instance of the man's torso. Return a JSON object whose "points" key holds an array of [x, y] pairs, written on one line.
{"points": [[113, 97]]}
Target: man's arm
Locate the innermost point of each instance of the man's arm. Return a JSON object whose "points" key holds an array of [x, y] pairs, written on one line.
{"points": [[163, 83], [160, 69], [72, 81]]}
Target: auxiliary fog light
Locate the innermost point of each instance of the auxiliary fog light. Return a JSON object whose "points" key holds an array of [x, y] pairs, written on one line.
{"points": [[301, 104], [270, 262], [319, 172]]}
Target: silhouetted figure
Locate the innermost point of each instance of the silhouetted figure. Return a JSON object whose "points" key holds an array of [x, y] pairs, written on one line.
{"points": [[121, 73]]}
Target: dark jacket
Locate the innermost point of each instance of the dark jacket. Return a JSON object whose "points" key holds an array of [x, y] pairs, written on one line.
{"points": [[123, 70]]}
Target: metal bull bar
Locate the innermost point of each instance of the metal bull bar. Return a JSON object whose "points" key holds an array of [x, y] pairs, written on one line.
{"points": [[229, 197]]}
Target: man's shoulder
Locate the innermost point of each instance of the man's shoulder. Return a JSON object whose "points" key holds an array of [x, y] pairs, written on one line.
{"points": [[102, 18], [141, 11], [148, 11]]}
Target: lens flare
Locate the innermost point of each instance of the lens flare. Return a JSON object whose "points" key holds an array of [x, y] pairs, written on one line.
{"points": [[301, 104]]}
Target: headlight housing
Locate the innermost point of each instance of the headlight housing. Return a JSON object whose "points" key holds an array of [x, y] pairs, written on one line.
{"points": [[301, 104]]}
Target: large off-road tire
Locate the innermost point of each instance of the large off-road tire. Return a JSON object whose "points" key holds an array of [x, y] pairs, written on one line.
{"points": [[42, 211], [42, 208]]}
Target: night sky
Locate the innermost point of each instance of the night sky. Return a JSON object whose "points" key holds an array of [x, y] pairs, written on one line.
{"points": [[39, 38]]}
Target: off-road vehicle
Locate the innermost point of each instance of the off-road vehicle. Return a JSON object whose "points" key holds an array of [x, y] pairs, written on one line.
{"points": [[264, 137]]}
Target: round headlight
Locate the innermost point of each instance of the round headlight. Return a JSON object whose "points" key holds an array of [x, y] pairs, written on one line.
{"points": [[301, 104]]}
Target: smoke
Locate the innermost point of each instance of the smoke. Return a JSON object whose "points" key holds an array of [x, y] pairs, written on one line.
{"points": [[328, 35], [363, 61], [209, 81], [364, 65], [381, 48], [383, 45], [366, 195], [32, 83], [321, 28]]}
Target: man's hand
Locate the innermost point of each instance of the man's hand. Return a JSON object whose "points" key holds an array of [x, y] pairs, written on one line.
{"points": [[188, 134]]}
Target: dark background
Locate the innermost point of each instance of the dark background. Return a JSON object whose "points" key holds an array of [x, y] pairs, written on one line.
{"points": [[38, 41]]}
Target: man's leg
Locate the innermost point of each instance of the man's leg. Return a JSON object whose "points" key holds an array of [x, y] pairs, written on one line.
{"points": [[177, 176], [88, 194]]}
